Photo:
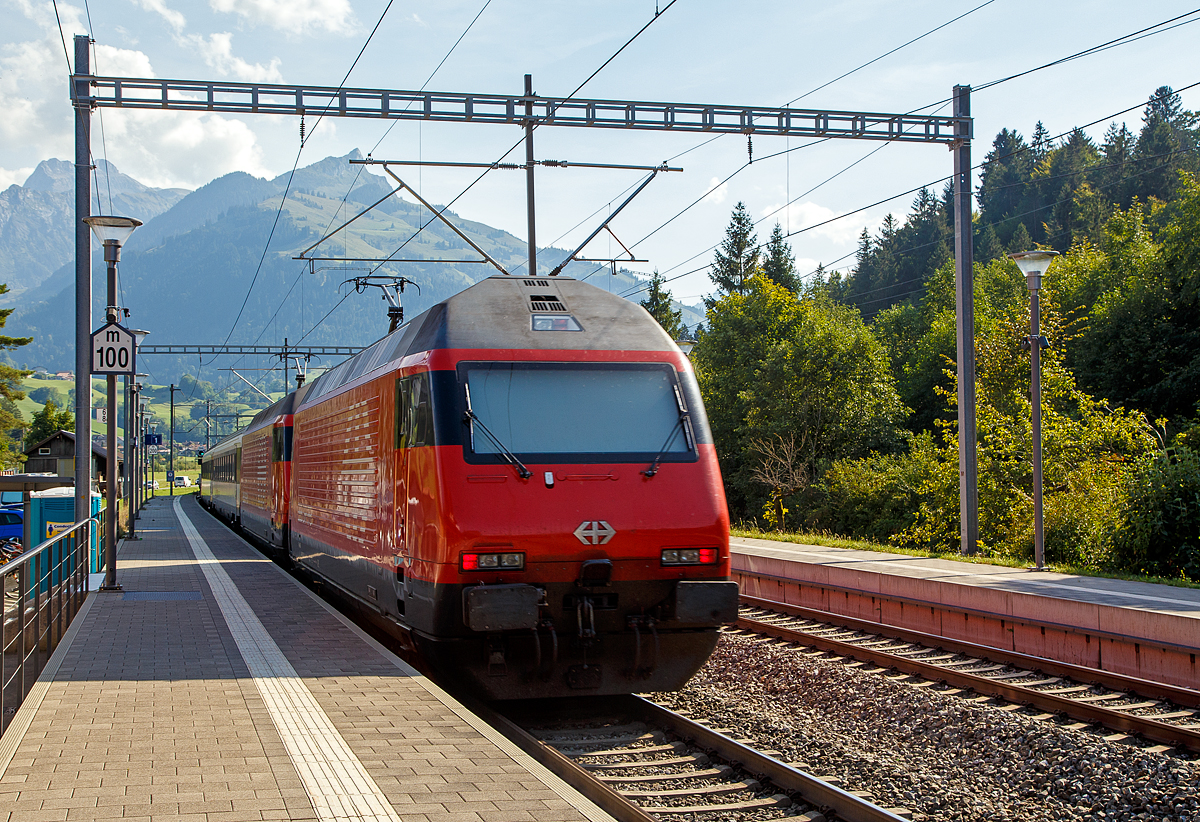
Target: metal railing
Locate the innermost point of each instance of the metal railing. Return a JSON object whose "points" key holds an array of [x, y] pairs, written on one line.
{"points": [[43, 590]]}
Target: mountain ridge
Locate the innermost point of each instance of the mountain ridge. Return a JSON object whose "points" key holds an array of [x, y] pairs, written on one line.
{"points": [[185, 273]]}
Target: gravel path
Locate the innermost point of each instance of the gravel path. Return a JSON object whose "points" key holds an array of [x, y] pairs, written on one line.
{"points": [[939, 755]]}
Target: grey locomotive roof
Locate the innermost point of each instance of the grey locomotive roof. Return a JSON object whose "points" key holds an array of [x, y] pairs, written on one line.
{"points": [[496, 313]]}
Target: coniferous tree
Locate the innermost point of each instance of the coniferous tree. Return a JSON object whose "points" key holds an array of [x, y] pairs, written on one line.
{"points": [[1021, 241], [1004, 182], [1040, 144], [736, 261], [1058, 178], [779, 265], [1113, 179], [1165, 146], [10, 380], [658, 303], [988, 246]]}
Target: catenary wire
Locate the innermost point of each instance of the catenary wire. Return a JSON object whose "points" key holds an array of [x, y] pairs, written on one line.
{"points": [[300, 274], [515, 145], [360, 170], [292, 174], [858, 68], [1137, 35], [978, 166]]}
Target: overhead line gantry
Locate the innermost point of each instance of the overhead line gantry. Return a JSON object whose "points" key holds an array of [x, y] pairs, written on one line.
{"points": [[530, 111]]}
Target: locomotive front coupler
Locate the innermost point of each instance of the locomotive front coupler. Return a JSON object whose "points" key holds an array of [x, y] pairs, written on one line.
{"points": [[496, 663]]}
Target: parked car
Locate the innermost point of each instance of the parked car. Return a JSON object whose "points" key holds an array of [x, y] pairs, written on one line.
{"points": [[12, 524], [151, 485], [182, 481]]}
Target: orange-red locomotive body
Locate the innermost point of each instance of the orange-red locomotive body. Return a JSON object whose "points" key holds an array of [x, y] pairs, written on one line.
{"points": [[522, 482]]}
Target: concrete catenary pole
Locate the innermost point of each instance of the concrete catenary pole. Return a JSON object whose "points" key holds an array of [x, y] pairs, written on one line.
{"points": [[80, 91], [964, 294]]}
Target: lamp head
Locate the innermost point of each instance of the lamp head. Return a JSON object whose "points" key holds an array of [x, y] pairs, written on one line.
{"points": [[1033, 265], [112, 228], [139, 338]]}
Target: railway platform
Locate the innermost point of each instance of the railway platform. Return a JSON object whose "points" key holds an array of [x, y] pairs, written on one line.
{"points": [[216, 687], [1133, 628]]}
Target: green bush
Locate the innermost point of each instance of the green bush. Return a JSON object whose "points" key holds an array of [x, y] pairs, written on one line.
{"points": [[875, 497], [1161, 536]]}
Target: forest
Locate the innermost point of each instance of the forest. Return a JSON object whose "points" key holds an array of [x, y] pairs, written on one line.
{"points": [[832, 397]]}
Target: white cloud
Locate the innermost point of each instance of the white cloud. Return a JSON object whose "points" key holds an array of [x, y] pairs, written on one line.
{"points": [[161, 148], [217, 51], [716, 191], [16, 177], [295, 16], [174, 19], [184, 149]]}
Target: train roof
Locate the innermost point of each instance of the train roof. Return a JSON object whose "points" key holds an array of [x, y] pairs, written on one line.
{"points": [[498, 312], [267, 416]]}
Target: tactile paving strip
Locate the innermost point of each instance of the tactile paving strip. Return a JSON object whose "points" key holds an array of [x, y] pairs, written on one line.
{"points": [[337, 783]]}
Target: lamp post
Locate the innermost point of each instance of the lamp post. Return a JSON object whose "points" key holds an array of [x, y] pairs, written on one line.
{"points": [[112, 232], [143, 415], [132, 387], [1033, 265]]}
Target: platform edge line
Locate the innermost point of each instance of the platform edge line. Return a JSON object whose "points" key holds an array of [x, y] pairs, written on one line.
{"points": [[23, 719], [577, 800], [328, 768]]}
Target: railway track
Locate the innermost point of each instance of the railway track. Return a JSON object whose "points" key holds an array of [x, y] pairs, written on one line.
{"points": [[1128, 707], [641, 762]]}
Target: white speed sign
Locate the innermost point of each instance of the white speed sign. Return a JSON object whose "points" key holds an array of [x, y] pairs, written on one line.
{"points": [[114, 348]]}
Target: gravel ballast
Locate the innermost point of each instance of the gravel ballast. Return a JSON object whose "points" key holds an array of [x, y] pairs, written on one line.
{"points": [[939, 755]]}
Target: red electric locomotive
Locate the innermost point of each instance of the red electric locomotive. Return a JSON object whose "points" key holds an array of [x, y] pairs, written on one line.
{"points": [[522, 483]]}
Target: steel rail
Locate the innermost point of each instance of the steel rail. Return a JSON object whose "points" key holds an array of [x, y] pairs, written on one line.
{"points": [[813, 790], [792, 780], [607, 799], [1147, 727], [1081, 673]]}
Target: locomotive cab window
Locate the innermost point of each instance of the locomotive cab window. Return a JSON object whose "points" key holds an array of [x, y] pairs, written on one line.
{"points": [[281, 444], [414, 412], [575, 412]]}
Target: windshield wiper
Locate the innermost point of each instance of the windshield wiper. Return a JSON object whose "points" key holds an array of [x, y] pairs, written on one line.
{"points": [[653, 469], [684, 422], [509, 456]]}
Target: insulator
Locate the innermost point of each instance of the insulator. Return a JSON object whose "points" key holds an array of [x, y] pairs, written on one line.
{"points": [[302, 128]]}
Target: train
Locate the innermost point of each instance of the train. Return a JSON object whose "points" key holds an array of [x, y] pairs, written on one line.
{"points": [[520, 484]]}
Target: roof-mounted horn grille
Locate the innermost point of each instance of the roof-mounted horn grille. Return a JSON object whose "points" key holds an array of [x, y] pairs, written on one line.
{"points": [[540, 303], [537, 283]]}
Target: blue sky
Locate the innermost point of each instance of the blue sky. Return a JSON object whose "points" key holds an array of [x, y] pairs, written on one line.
{"points": [[696, 51]]}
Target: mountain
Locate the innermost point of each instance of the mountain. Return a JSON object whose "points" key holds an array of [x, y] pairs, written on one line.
{"points": [[185, 273], [37, 220]]}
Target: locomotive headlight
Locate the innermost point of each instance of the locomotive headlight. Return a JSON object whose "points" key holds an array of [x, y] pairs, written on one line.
{"points": [[473, 561], [690, 556]]}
